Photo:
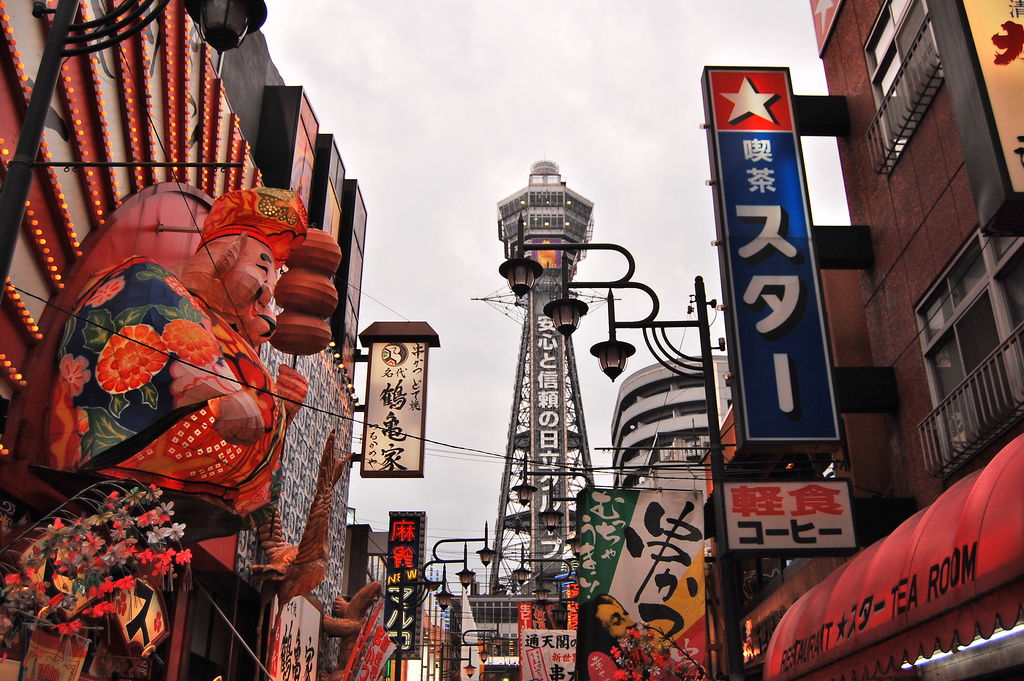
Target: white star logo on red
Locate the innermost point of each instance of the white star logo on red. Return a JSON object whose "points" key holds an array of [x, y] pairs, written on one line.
{"points": [[749, 102], [822, 10]]}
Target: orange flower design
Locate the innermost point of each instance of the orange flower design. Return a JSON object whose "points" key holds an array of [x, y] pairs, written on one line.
{"points": [[130, 360], [191, 341]]}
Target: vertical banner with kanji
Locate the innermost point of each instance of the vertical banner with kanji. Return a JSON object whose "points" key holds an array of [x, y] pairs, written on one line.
{"points": [[372, 650], [524, 619], [547, 654], [406, 536], [780, 356], [571, 595], [396, 398], [51, 657], [295, 651], [641, 569], [395, 414]]}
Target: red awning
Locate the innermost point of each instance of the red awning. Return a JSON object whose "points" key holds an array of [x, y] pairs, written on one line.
{"points": [[951, 572]]}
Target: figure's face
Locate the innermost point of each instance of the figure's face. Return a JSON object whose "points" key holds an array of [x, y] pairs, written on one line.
{"points": [[249, 288], [614, 618]]}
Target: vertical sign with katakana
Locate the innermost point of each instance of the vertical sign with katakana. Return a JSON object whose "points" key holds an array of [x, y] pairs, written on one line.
{"points": [[641, 566], [142, 617], [395, 410], [549, 436], [779, 355], [792, 518], [406, 535]]}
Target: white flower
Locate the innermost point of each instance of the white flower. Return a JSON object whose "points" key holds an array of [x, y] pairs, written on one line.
{"points": [[158, 534], [177, 531]]}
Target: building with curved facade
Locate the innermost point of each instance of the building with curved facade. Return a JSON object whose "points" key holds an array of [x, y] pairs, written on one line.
{"points": [[660, 421]]}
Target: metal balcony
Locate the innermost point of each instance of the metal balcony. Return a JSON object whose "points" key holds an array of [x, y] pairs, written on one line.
{"points": [[984, 406], [908, 98]]}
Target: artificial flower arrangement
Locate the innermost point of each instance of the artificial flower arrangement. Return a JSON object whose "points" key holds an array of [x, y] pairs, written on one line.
{"points": [[644, 654], [70, 572]]}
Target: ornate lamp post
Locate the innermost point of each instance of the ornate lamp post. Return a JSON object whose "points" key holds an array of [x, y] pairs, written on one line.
{"points": [[224, 23], [466, 576], [612, 355], [482, 637]]}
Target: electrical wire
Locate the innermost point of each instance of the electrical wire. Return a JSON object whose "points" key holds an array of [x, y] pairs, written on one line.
{"points": [[235, 308], [556, 467], [243, 384], [471, 451]]}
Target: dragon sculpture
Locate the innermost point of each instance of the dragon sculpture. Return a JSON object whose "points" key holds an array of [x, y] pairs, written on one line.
{"points": [[345, 621], [290, 570]]}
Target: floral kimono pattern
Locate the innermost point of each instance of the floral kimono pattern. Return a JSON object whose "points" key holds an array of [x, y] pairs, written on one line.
{"points": [[141, 365]]}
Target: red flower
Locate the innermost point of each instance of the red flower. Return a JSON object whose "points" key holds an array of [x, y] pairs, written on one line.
{"points": [[184, 556], [129, 360], [69, 628], [102, 608], [13, 578], [125, 583], [191, 340]]}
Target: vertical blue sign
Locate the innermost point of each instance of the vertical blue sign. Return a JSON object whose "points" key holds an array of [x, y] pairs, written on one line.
{"points": [[407, 531], [779, 345]]}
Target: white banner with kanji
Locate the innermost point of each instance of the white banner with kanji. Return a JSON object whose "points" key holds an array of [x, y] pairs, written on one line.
{"points": [[547, 654]]}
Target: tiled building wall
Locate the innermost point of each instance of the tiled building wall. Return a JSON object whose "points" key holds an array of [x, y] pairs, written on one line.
{"points": [[920, 216], [299, 467]]}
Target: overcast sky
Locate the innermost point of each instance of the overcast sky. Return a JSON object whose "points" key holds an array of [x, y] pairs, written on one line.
{"points": [[440, 107]]}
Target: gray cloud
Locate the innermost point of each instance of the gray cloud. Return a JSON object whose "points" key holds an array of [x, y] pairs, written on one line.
{"points": [[440, 108]]}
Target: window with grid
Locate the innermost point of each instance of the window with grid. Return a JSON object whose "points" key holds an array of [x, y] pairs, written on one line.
{"points": [[973, 308], [905, 72]]}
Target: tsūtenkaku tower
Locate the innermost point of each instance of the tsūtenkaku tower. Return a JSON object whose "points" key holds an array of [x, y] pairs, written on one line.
{"points": [[547, 439]]}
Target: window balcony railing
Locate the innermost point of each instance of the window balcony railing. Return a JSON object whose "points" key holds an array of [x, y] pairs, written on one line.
{"points": [[903, 106], [984, 406]]}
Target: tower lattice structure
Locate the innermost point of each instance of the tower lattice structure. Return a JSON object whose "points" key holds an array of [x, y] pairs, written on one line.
{"points": [[547, 437]]}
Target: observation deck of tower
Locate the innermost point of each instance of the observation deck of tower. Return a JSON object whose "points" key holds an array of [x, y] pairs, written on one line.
{"points": [[547, 437]]}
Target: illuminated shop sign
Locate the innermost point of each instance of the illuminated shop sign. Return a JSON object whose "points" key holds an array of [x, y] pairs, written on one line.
{"points": [[406, 535], [396, 398], [794, 518], [780, 355]]}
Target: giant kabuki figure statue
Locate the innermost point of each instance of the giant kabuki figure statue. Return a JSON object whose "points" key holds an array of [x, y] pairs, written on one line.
{"points": [[159, 374]]}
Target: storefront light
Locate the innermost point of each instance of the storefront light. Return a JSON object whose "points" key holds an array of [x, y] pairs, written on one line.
{"points": [[975, 644]]}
